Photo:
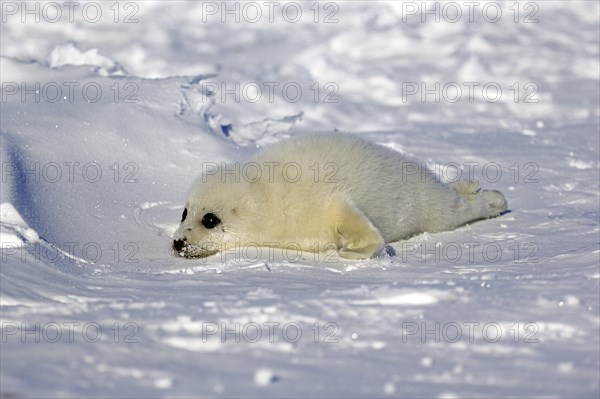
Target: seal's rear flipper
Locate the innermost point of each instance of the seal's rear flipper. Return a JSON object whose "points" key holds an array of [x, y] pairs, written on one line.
{"points": [[496, 202], [355, 235], [465, 187]]}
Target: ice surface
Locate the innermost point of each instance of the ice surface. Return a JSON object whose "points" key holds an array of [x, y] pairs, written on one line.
{"points": [[103, 128], [14, 231]]}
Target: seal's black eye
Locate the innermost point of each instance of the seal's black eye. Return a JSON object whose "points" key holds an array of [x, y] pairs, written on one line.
{"points": [[184, 214], [210, 220]]}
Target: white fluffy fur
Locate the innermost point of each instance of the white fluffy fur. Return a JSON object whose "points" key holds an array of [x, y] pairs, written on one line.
{"points": [[364, 196]]}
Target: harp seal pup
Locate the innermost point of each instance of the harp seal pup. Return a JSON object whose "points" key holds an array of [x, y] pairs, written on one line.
{"points": [[323, 192]]}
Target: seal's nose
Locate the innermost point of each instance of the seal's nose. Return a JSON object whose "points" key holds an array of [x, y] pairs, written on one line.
{"points": [[178, 245]]}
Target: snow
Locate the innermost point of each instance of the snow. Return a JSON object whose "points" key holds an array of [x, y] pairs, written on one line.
{"points": [[14, 231], [264, 377], [104, 126]]}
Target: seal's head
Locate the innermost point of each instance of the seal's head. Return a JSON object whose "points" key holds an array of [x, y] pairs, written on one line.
{"points": [[219, 214]]}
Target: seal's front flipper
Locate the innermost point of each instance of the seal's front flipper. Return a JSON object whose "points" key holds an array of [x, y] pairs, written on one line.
{"points": [[355, 235]]}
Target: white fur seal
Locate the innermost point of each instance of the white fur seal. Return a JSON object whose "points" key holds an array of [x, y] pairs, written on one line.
{"points": [[322, 192]]}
